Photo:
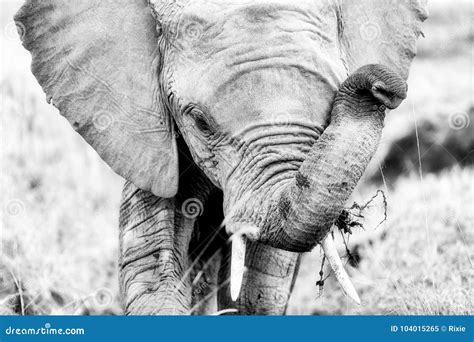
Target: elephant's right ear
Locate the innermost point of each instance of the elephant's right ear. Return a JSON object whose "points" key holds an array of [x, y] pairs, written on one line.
{"points": [[99, 63]]}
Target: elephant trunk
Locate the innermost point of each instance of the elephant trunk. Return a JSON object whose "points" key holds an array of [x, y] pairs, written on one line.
{"points": [[307, 210], [304, 212]]}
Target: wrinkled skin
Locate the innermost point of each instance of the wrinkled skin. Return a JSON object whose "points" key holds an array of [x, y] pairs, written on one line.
{"points": [[275, 128], [251, 91], [244, 93]]}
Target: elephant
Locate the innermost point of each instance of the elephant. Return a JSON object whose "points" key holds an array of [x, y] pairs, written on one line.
{"points": [[241, 129]]}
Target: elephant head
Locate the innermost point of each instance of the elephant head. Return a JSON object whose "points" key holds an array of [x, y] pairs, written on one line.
{"points": [[280, 103]]}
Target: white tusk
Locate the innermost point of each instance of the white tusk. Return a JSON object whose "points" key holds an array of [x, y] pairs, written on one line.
{"points": [[223, 312], [237, 265], [336, 264]]}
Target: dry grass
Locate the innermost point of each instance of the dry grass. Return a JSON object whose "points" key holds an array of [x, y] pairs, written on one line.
{"points": [[59, 202], [418, 262]]}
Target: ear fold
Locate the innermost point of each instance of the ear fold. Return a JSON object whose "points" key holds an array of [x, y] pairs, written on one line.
{"points": [[380, 31], [98, 63]]}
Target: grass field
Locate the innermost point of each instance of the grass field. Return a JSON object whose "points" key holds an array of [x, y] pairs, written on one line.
{"points": [[59, 203]]}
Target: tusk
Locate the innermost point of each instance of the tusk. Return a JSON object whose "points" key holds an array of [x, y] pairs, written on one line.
{"points": [[336, 264], [237, 265], [224, 312]]}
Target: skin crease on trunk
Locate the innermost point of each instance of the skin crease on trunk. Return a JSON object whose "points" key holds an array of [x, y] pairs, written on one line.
{"points": [[258, 111]]}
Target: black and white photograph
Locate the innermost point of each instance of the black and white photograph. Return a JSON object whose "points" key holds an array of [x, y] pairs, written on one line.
{"points": [[236, 158]]}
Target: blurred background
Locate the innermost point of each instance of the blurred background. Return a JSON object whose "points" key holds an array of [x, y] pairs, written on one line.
{"points": [[59, 202]]}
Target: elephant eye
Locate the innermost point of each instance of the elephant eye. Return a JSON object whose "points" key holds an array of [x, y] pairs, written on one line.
{"points": [[200, 121], [202, 124]]}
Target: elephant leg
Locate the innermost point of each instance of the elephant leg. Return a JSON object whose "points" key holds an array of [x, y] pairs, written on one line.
{"points": [[267, 284], [154, 238]]}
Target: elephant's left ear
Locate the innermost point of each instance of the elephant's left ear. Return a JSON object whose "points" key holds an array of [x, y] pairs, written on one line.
{"points": [[99, 63], [381, 32]]}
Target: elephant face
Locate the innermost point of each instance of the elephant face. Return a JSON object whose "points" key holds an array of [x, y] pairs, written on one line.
{"points": [[251, 86]]}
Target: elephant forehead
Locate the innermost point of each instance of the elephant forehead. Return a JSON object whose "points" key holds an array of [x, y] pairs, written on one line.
{"points": [[219, 43], [203, 23], [257, 11]]}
